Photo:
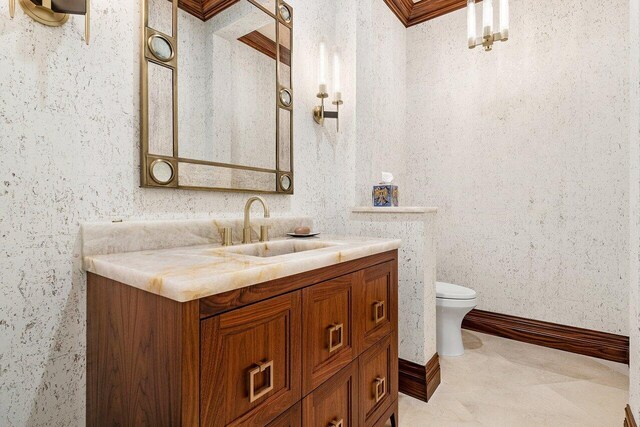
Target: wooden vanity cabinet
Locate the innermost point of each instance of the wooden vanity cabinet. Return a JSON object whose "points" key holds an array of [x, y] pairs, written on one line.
{"points": [[378, 380], [335, 403], [250, 363], [328, 325], [318, 349]]}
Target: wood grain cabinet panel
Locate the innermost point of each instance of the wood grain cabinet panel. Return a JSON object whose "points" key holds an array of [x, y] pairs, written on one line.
{"points": [[376, 304], [250, 363], [378, 380], [291, 418], [327, 317], [137, 364], [335, 403]]}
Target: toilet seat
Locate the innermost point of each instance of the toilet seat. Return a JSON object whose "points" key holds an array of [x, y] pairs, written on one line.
{"points": [[450, 291], [456, 303]]}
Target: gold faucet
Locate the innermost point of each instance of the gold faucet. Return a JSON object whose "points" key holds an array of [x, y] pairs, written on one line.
{"points": [[264, 230]]}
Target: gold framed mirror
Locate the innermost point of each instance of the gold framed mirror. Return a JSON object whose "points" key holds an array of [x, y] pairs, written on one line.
{"points": [[216, 95]]}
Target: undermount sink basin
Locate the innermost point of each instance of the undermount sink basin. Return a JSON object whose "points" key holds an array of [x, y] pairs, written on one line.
{"points": [[277, 248]]}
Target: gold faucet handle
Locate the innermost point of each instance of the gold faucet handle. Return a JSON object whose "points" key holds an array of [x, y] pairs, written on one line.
{"points": [[246, 235], [227, 236], [12, 8], [264, 233]]}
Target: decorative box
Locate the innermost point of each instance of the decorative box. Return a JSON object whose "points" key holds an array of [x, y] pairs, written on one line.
{"points": [[385, 195]]}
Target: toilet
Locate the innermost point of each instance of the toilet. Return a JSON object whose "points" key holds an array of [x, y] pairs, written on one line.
{"points": [[453, 302]]}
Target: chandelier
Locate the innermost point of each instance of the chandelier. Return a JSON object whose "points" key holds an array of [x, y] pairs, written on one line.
{"points": [[488, 36]]}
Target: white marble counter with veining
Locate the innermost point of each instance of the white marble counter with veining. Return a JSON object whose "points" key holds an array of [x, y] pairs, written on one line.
{"points": [[188, 273]]}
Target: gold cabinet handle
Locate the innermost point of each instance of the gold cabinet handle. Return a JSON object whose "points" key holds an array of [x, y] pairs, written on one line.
{"points": [[260, 367], [337, 423], [378, 311], [335, 329], [379, 388], [12, 8]]}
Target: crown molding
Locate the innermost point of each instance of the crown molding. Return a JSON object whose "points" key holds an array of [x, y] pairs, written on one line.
{"points": [[205, 9], [411, 13]]}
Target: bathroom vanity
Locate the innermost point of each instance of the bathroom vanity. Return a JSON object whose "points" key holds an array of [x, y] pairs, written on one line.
{"points": [[284, 333]]}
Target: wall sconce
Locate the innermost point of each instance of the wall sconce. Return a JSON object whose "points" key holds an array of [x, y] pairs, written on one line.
{"points": [[488, 36], [55, 13], [319, 113]]}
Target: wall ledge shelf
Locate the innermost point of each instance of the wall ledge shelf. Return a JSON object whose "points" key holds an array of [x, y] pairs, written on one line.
{"points": [[395, 210]]}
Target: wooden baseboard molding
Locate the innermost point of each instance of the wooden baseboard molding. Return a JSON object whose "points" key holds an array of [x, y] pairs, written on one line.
{"points": [[568, 338], [629, 420], [419, 381]]}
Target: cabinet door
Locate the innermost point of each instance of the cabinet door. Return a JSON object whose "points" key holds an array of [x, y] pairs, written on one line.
{"points": [[328, 324], [378, 380], [291, 418], [377, 304], [335, 403], [250, 363]]}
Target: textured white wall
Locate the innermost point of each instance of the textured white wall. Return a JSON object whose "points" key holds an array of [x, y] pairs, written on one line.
{"points": [[634, 211], [416, 277], [381, 62], [525, 151], [69, 153]]}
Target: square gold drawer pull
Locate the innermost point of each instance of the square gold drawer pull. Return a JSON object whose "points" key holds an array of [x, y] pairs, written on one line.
{"points": [[379, 388], [335, 330], [260, 367], [337, 423], [378, 311]]}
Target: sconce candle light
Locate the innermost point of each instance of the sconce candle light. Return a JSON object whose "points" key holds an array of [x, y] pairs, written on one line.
{"points": [[319, 113], [488, 36], [55, 13]]}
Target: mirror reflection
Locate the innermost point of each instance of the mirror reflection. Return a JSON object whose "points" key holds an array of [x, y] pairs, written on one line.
{"points": [[160, 117], [227, 82]]}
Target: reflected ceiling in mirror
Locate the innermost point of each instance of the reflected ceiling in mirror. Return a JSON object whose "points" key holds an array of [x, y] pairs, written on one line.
{"points": [[207, 9]]}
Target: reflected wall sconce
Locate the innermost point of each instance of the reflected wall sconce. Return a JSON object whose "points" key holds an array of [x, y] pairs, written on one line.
{"points": [[488, 35], [55, 13], [319, 113]]}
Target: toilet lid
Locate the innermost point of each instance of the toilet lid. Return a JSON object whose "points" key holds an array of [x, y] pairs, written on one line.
{"points": [[451, 291]]}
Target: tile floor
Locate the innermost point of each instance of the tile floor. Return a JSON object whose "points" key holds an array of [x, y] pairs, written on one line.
{"points": [[500, 382]]}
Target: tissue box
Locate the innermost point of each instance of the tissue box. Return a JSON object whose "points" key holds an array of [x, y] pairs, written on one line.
{"points": [[385, 195]]}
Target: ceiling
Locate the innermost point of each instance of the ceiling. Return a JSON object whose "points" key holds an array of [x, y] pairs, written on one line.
{"points": [[412, 12], [205, 9]]}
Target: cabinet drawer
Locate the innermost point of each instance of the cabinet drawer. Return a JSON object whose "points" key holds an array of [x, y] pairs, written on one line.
{"points": [[328, 330], [378, 368], [250, 363], [378, 303], [291, 418], [335, 403]]}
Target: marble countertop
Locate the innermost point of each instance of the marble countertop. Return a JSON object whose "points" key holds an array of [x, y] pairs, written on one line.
{"points": [[193, 272]]}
